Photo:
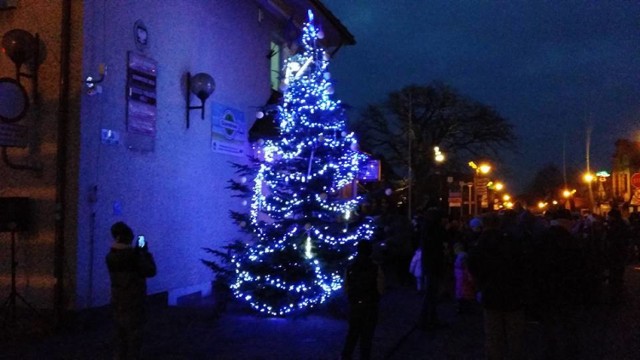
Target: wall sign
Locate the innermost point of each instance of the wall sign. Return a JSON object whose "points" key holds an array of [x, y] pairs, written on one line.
{"points": [[228, 130], [141, 95]]}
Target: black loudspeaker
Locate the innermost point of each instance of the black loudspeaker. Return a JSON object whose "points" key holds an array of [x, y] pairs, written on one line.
{"points": [[15, 214]]}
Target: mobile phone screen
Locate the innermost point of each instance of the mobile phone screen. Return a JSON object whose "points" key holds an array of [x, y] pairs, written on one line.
{"points": [[141, 241]]}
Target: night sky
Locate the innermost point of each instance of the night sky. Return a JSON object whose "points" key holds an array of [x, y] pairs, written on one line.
{"points": [[552, 68]]}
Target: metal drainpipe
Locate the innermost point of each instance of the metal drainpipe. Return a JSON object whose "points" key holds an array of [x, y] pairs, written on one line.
{"points": [[59, 301]]}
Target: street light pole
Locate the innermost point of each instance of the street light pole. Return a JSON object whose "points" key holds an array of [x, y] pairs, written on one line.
{"points": [[470, 186], [475, 192], [438, 158], [588, 158], [409, 172]]}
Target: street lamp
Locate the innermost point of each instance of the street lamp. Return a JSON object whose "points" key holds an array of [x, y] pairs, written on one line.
{"points": [[588, 177], [438, 157], [496, 187], [482, 169], [567, 194], [469, 194]]}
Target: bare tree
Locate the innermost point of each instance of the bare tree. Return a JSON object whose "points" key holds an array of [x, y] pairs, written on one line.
{"points": [[547, 184], [404, 130]]}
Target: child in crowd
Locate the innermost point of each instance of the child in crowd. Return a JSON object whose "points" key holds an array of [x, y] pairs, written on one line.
{"points": [[465, 288], [415, 268]]}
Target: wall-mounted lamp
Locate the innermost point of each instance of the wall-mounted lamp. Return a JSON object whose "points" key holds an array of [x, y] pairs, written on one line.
{"points": [[19, 45], [23, 48], [201, 85], [92, 83]]}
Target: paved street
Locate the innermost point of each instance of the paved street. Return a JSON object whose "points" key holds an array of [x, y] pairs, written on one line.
{"points": [[194, 332]]}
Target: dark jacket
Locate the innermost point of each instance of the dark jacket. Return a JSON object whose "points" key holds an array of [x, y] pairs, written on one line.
{"points": [[433, 236], [364, 281], [496, 264], [560, 270], [617, 240], [128, 269]]}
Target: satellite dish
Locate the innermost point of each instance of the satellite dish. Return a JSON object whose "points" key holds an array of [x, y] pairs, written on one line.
{"points": [[14, 100]]}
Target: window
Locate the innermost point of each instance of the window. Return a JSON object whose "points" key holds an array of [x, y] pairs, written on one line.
{"points": [[275, 65], [278, 53]]}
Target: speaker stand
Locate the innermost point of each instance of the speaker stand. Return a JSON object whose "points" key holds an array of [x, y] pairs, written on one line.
{"points": [[9, 304]]}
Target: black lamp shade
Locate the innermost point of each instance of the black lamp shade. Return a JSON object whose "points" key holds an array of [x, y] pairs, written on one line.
{"points": [[202, 85], [19, 45]]}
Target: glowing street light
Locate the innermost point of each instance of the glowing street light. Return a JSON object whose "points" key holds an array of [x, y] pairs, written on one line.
{"points": [[484, 168], [588, 177], [438, 155]]}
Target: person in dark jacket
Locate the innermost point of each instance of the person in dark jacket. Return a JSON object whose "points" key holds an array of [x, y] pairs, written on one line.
{"points": [[617, 239], [433, 236], [561, 282], [496, 264], [364, 283], [129, 267]]}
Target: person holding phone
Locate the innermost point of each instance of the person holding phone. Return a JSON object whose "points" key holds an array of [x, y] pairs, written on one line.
{"points": [[129, 267]]}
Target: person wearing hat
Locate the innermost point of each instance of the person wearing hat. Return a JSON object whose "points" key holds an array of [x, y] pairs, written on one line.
{"points": [[473, 232], [475, 224]]}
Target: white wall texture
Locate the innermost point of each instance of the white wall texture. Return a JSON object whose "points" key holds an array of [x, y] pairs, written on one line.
{"points": [[175, 194]]}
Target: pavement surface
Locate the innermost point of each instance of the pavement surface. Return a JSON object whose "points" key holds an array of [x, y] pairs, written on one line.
{"points": [[196, 331]]}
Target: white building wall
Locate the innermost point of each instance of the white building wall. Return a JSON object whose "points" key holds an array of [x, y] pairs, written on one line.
{"points": [[175, 194]]}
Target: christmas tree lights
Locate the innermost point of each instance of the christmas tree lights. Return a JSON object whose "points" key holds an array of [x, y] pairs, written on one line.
{"points": [[304, 227]]}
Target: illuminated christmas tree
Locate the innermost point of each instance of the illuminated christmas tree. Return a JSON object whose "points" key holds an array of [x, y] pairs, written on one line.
{"points": [[303, 219]]}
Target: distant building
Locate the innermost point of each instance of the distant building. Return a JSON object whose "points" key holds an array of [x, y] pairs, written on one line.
{"points": [[94, 148], [625, 177]]}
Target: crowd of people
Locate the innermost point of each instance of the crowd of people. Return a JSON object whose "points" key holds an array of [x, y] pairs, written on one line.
{"points": [[515, 266]]}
